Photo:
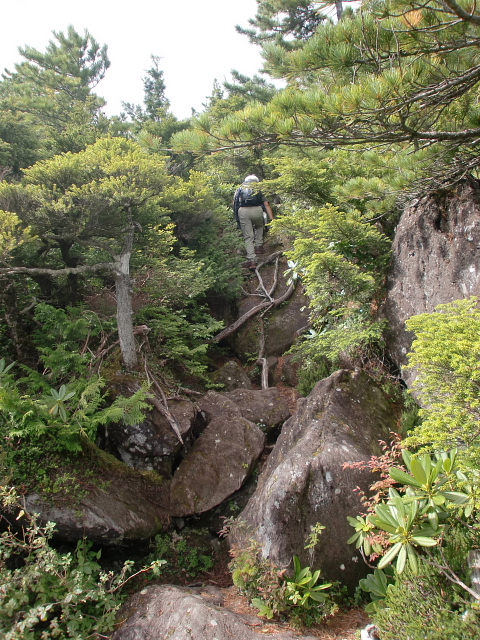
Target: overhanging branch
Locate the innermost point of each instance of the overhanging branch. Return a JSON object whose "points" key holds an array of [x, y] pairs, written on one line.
{"points": [[39, 271]]}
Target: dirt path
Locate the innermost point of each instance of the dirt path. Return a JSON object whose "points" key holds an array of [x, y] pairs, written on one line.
{"points": [[344, 625]]}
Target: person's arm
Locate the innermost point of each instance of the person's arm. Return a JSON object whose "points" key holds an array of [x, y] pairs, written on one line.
{"points": [[236, 204], [268, 209]]}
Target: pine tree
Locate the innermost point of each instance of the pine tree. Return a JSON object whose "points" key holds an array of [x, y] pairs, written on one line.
{"points": [[399, 75], [54, 89], [285, 22]]}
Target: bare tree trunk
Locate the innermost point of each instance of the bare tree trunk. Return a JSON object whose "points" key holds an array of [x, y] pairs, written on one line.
{"points": [[123, 288], [339, 8]]}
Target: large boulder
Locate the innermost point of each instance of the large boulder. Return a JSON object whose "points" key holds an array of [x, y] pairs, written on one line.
{"points": [[164, 612], [151, 445], [217, 465], [264, 407], [232, 376], [304, 481], [122, 511], [436, 259]]}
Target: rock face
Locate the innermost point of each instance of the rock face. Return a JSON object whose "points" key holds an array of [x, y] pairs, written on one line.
{"points": [[436, 259], [116, 515], [264, 407], [304, 483], [172, 613], [151, 445], [217, 465]]}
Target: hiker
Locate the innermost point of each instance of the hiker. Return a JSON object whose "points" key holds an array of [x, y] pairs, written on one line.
{"points": [[249, 206]]}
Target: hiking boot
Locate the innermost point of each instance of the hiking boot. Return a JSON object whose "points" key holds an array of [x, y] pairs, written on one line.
{"points": [[251, 265], [259, 250]]}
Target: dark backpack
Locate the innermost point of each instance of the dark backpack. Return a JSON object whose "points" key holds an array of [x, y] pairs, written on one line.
{"points": [[249, 198]]}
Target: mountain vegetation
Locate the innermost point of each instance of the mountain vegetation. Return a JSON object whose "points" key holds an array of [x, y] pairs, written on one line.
{"points": [[116, 231]]}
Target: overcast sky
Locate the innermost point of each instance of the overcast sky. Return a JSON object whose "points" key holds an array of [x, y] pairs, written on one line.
{"points": [[196, 40]]}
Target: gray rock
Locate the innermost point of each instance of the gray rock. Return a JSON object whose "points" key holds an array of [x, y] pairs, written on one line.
{"points": [[436, 259], [118, 514], [152, 444], [304, 481], [232, 376], [217, 465], [263, 406], [215, 405], [173, 613]]}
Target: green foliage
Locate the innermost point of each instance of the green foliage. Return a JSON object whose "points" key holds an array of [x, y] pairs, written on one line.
{"points": [[311, 372], [53, 594], [415, 520], [180, 337], [433, 525], [446, 354], [44, 429], [54, 91], [302, 587], [283, 21], [63, 338], [338, 256], [376, 584], [393, 79], [298, 598], [425, 605], [19, 144], [154, 124], [186, 555]]}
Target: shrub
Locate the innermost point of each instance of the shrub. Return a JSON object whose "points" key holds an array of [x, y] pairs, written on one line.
{"points": [[424, 605], [446, 354], [47, 594], [298, 598], [42, 428], [186, 554]]}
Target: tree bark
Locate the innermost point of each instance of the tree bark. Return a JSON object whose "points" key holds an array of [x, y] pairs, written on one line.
{"points": [[123, 288], [339, 9]]}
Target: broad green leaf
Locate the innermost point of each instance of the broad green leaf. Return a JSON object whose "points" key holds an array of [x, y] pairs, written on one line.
{"points": [[400, 506], [455, 496], [412, 558], [433, 518], [418, 471], [390, 555], [402, 557], [404, 478], [384, 512], [423, 541], [355, 536], [385, 526]]}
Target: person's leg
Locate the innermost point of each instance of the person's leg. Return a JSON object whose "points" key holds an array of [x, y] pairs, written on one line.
{"points": [[248, 232], [258, 222]]}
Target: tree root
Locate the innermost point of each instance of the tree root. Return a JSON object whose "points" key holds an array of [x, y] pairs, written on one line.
{"points": [[253, 311]]}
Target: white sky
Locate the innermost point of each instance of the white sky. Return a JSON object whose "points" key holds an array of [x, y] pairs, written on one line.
{"points": [[196, 40]]}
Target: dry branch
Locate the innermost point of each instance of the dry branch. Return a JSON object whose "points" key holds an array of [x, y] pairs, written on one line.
{"points": [[162, 407], [252, 312], [38, 271]]}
